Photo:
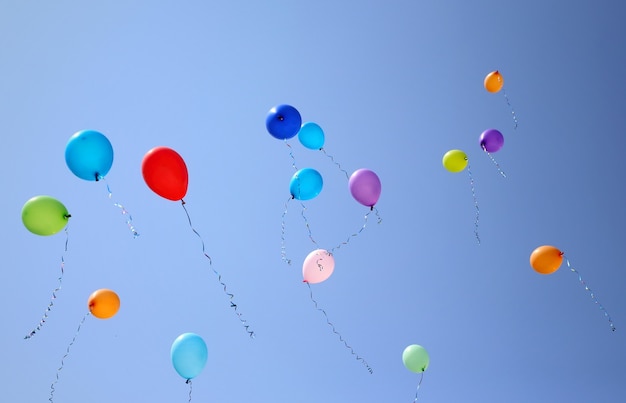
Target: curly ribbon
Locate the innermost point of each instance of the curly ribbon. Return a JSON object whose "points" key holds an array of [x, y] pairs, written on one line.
{"points": [[190, 388], [129, 219], [355, 234], [54, 294], [369, 369], [338, 165], [506, 98], [593, 296], [471, 177], [494, 161], [67, 352], [293, 159], [283, 248], [418, 387], [219, 276]]}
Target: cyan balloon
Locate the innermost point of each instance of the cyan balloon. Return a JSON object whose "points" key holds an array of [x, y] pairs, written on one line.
{"points": [[311, 136], [283, 122], [306, 184], [189, 355], [89, 155]]}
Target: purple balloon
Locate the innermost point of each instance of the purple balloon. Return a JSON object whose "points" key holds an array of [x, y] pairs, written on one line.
{"points": [[491, 140], [365, 187]]}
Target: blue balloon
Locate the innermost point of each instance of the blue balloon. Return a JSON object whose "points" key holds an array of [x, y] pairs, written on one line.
{"points": [[311, 136], [89, 155], [283, 122], [306, 184], [189, 355]]}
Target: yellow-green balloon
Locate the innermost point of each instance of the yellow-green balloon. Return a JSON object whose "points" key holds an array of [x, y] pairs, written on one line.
{"points": [[415, 358], [454, 160], [44, 215]]}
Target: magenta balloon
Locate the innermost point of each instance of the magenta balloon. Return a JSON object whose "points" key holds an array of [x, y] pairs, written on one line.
{"points": [[365, 187], [491, 140]]}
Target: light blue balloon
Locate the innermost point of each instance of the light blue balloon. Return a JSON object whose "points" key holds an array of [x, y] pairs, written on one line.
{"points": [[89, 155], [306, 184], [189, 355], [311, 136]]}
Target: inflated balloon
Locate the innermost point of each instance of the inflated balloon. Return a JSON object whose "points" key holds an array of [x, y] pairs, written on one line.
{"points": [[318, 266], [189, 355], [494, 81], [491, 140], [306, 184], [103, 303], [546, 259], [365, 187], [283, 122], [415, 358], [454, 161], [44, 215], [165, 172], [311, 136], [89, 155]]}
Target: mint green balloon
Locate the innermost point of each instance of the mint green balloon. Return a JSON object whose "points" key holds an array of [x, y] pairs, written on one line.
{"points": [[415, 358], [44, 215]]}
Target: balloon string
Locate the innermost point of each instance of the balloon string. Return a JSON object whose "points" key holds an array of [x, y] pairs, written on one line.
{"points": [[471, 177], [54, 294], [335, 162], [495, 162], [512, 111], [219, 276], [129, 219], [418, 386], [67, 352], [359, 230], [293, 159], [189, 382], [306, 223], [593, 296], [369, 369], [283, 249]]}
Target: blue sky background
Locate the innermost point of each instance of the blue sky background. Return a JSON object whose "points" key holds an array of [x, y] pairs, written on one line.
{"points": [[394, 85]]}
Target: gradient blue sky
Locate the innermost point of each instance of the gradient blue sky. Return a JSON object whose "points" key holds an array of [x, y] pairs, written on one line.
{"points": [[394, 85]]}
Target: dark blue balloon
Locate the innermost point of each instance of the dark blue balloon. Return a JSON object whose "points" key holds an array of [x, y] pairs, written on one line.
{"points": [[89, 155], [283, 122]]}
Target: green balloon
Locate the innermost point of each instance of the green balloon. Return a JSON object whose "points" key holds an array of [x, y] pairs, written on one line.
{"points": [[44, 215], [415, 358]]}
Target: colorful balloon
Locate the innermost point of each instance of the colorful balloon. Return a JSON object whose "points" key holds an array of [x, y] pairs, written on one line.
{"points": [[311, 136], [44, 215], [318, 266], [89, 155], [306, 184], [189, 355], [415, 358], [365, 187], [283, 122], [546, 259], [103, 303], [494, 81], [491, 140], [455, 160], [165, 172]]}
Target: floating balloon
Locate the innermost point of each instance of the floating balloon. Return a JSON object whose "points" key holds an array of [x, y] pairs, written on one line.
{"points": [[44, 215], [311, 136], [494, 81], [89, 155], [306, 184], [365, 187], [415, 358], [189, 355], [491, 140], [103, 303], [165, 173], [283, 122], [455, 161], [318, 266], [547, 259]]}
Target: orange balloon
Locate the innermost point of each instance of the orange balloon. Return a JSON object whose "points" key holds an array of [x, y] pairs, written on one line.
{"points": [[546, 259], [494, 81], [165, 172], [103, 303]]}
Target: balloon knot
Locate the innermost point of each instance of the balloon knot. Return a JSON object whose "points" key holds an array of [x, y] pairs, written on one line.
{"points": [[182, 202], [281, 117], [372, 207], [67, 215], [188, 381]]}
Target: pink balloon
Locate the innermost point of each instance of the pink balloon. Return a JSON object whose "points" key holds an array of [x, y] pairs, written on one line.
{"points": [[318, 266], [365, 187]]}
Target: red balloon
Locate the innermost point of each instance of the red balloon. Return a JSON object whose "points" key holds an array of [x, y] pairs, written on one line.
{"points": [[165, 172]]}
